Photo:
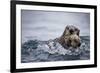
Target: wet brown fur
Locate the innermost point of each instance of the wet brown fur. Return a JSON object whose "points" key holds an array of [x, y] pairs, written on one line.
{"points": [[70, 37]]}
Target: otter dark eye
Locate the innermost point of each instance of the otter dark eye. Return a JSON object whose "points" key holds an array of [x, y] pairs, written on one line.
{"points": [[71, 31], [78, 33], [76, 29], [67, 28]]}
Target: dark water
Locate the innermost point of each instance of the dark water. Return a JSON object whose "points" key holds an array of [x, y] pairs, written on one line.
{"points": [[38, 51]]}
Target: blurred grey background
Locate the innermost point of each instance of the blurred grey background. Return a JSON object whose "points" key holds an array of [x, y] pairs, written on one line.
{"points": [[45, 25]]}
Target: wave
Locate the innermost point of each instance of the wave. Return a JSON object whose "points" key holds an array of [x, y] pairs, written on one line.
{"points": [[41, 51]]}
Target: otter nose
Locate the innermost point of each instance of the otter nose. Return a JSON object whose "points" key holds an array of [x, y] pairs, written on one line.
{"points": [[71, 31]]}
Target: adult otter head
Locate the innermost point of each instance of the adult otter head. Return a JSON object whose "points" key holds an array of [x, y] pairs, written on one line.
{"points": [[70, 37]]}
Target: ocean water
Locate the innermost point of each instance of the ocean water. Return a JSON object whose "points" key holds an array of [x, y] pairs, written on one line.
{"points": [[46, 51]]}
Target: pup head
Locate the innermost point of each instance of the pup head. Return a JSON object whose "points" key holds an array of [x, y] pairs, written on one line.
{"points": [[71, 37]]}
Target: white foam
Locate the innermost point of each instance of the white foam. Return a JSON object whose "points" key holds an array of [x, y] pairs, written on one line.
{"points": [[50, 48]]}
